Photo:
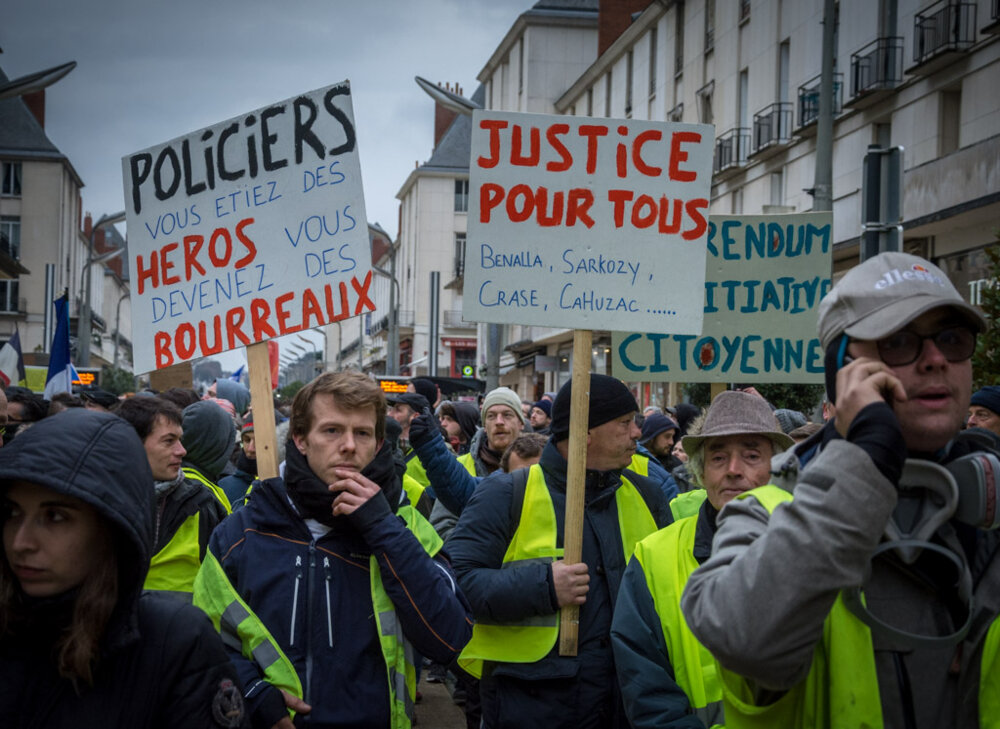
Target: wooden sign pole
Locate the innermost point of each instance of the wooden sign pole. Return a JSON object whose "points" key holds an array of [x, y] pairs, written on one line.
{"points": [[265, 439], [579, 409]]}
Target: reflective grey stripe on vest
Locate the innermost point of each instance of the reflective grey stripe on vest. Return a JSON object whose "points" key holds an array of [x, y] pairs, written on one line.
{"points": [[711, 714], [232, 616], [390, 626], [398, 682], [179, 595], [265, 654]]}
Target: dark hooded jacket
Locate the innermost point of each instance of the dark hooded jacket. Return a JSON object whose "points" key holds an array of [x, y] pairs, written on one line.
{"points": [[209, 437], [161, 664]]}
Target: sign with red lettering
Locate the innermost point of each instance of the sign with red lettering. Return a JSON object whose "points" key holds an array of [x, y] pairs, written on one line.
{"points": [[247, 230], [587, 223]]}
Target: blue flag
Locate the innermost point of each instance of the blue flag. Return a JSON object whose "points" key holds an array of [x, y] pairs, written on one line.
{"points": [[60, 376]]}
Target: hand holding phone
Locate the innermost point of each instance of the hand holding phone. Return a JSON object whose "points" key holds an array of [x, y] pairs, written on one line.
{"points": [[860, 382]]}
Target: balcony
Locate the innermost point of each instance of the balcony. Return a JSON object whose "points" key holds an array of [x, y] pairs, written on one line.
{"points": [[993, 27], [772, 126], [731, 149], [809, 99], [942, 32], [878, 67], [452, 318]]}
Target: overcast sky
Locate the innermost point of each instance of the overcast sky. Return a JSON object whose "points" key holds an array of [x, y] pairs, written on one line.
{"points": [[149, 72]]}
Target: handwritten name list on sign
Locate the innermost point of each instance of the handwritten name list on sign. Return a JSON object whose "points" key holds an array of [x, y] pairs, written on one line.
{"points": [[764, 280], [587, 223], [247, 230]]}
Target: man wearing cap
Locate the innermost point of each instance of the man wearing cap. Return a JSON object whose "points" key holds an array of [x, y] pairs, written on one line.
{"points": [[237, 484], [541, 416], [658, 438], [984, 409], [94, 398], [816, 610], [454, 479], [506, 551], [403, 408], [667, 678]]}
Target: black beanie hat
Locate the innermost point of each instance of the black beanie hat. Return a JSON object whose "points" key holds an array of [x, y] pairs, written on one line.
{"points": [[609, 399]]}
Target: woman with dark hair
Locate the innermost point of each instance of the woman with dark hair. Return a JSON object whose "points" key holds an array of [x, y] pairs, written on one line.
{"points": [[80, 645]]}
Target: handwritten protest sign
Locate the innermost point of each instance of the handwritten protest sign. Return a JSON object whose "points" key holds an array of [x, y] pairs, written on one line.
{"points": [[763, 284], [246, 230], [587, 223]]}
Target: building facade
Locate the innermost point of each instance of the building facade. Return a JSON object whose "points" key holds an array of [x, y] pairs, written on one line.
{"points": [[42, 232], [919, 75]]}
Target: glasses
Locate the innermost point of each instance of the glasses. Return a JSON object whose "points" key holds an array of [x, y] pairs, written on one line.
{"points": [[902, 348]]}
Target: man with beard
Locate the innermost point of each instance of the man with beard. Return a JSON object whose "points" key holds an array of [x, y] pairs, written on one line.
{"points": [[324, 583]]}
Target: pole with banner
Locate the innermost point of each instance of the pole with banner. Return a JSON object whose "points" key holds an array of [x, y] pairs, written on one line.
{"points": [[245, 231], [586, 223]]}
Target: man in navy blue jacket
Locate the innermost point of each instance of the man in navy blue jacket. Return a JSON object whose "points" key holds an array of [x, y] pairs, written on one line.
{"points": [[328, 578]]}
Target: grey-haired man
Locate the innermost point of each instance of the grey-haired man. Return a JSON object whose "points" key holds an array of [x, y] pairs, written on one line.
{"points": [[871, 598], [667, 679]]}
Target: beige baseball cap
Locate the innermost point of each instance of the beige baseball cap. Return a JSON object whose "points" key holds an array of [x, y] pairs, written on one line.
{"points": [[884, 294]]}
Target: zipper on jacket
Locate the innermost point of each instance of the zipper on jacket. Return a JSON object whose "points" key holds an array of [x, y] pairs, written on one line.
{"points": [[295, 599], [329, 617], [309, 621]]}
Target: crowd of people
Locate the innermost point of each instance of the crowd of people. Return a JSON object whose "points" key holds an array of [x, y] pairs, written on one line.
{"points": [[741, 566]]}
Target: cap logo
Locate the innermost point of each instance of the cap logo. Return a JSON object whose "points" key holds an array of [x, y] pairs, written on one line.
{"points": [[916, 273]]}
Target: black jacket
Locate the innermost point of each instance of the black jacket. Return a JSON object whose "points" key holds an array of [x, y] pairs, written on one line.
{"points": [[558, 691], [161, 663]]}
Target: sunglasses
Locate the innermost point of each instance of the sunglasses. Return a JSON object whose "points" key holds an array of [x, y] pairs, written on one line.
{"points": [[902, 348]]}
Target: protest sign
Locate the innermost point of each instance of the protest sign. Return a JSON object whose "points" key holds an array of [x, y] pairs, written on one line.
{"points": [[587, 223], [764, 280], [246, 230]]}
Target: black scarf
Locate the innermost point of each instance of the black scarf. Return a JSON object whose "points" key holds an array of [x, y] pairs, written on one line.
{"points": [[313, 498], [245, 464]]}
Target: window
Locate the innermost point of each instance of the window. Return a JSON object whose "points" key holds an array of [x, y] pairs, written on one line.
{"points": [[520, 66], [742, 92], [778, 187], [11, 179], [679, 40], [461, 196], [951, 107], [628, 85], [652, 63], [590, 101], [459, 255], [744, 11], [704, 94], [783, 60], [709, 25], [8, 295], [10, 236], [607, 94]]}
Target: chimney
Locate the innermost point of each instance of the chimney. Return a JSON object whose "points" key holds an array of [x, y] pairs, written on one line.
{"points": [[613, 18], [88, 224], [443, 117], [36, 105]]}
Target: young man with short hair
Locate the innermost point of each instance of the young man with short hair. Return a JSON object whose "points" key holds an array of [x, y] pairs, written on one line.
{"points": [[322, 582]]}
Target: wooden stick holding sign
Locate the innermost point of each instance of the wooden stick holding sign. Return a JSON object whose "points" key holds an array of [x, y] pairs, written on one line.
{"points": [[576, 472], [265, 439]]}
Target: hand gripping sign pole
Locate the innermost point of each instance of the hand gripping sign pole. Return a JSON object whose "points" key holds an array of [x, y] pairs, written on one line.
{"points": [[579, 407]]}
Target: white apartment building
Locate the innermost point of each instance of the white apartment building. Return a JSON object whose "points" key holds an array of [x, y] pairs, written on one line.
{"points": [[434, 202], [921, 75], [42, 237]]}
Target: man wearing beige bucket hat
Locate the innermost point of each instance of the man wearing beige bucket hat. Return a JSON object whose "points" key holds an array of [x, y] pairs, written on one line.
{"points": [[665, 674], [870, 598]]}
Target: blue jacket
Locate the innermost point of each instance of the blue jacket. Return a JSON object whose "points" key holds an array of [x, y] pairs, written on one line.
{"points": [[453, 484], [557, 691], [314, 596]]}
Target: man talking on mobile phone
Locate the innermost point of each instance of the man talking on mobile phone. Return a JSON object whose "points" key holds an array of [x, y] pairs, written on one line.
{"points": [[869, 595]]}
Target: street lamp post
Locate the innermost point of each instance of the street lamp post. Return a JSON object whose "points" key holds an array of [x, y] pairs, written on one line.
{"points": [[84, 326], [315, 362]]}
